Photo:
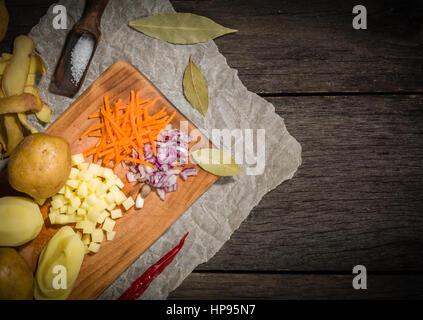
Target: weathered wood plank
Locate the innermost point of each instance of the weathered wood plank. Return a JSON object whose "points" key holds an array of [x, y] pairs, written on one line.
{"points": [[298, 46], [301, 46], [303, 286], [356, 199]]}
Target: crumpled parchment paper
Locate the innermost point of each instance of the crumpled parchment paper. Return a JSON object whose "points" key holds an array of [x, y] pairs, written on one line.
{"points": [[213, 218]]}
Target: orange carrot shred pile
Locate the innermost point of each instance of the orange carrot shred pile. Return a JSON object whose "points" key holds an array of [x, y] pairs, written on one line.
{"points": [[124, 128]]}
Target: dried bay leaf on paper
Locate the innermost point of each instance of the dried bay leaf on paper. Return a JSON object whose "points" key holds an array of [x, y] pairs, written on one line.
{"points": [[195, 88], [216, 162], [180, 28]]}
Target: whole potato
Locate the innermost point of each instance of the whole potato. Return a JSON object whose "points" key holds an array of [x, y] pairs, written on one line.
{"points": [[40, 165], [16, 280]]}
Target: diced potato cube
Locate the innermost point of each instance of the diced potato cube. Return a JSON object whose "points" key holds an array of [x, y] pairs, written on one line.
{"points": [[128, 203], [102, 216], [54, 211], [85, 175], [94, 247], [89, 227], [40, 202], [79, 218], [97, 235], [107, 173], [68, 192], [83, 166], [77, 159], [95, 169], [62, 190], [84, 205], [110, 235], [81, 211], [120, 197], [111, 206], [62, 219], [86, 239], [108, 225], [56, 204], [93, 215], [71, 218], [109, 184], [58, 197], [92, 200], [72, 183], [71, 210], [75, 202], [110, 198], [73, 173], [100, 205], [80, 224], [82, 190], [63, 209], [114, 189], [101, 188], [79, 234], [119, 183], [93, 184], [115, 214], [52, 218]]}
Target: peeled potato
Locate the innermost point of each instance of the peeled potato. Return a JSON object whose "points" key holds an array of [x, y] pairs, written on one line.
{"points": [[65, 249], [20, 221]]}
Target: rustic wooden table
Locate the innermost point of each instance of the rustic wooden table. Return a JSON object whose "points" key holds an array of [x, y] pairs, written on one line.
{"points": [[353, 99]]}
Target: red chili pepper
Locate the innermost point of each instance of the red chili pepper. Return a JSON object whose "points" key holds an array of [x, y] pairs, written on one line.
{"points": [[141, 284]]}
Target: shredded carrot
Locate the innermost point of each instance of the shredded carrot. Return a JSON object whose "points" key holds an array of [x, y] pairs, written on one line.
{"points": [[125, 127]]}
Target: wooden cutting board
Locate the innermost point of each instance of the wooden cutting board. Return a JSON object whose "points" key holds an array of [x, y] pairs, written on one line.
{"points": [[137, 229]]}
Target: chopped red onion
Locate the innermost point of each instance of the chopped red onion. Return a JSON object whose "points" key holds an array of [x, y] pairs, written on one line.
{"points": [[187, 173], [130, 176], [172, 150], [139, 202]]}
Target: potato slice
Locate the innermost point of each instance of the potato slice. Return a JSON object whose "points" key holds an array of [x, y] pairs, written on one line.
{"points": [[17, 69], [14, 132], [19, 103]]}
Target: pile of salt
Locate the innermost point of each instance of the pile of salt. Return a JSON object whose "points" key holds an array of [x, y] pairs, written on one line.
{"points": [[80, 57]]}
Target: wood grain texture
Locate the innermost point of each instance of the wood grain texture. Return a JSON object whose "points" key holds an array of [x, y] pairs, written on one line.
{"points": [[301, 46], [137, 229], [297, 286], [356, 199], [357, 196]]}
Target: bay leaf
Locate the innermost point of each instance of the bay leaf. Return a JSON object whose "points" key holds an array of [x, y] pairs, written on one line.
{"points": [[216, 162], [195, 88], [180, 28]]}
